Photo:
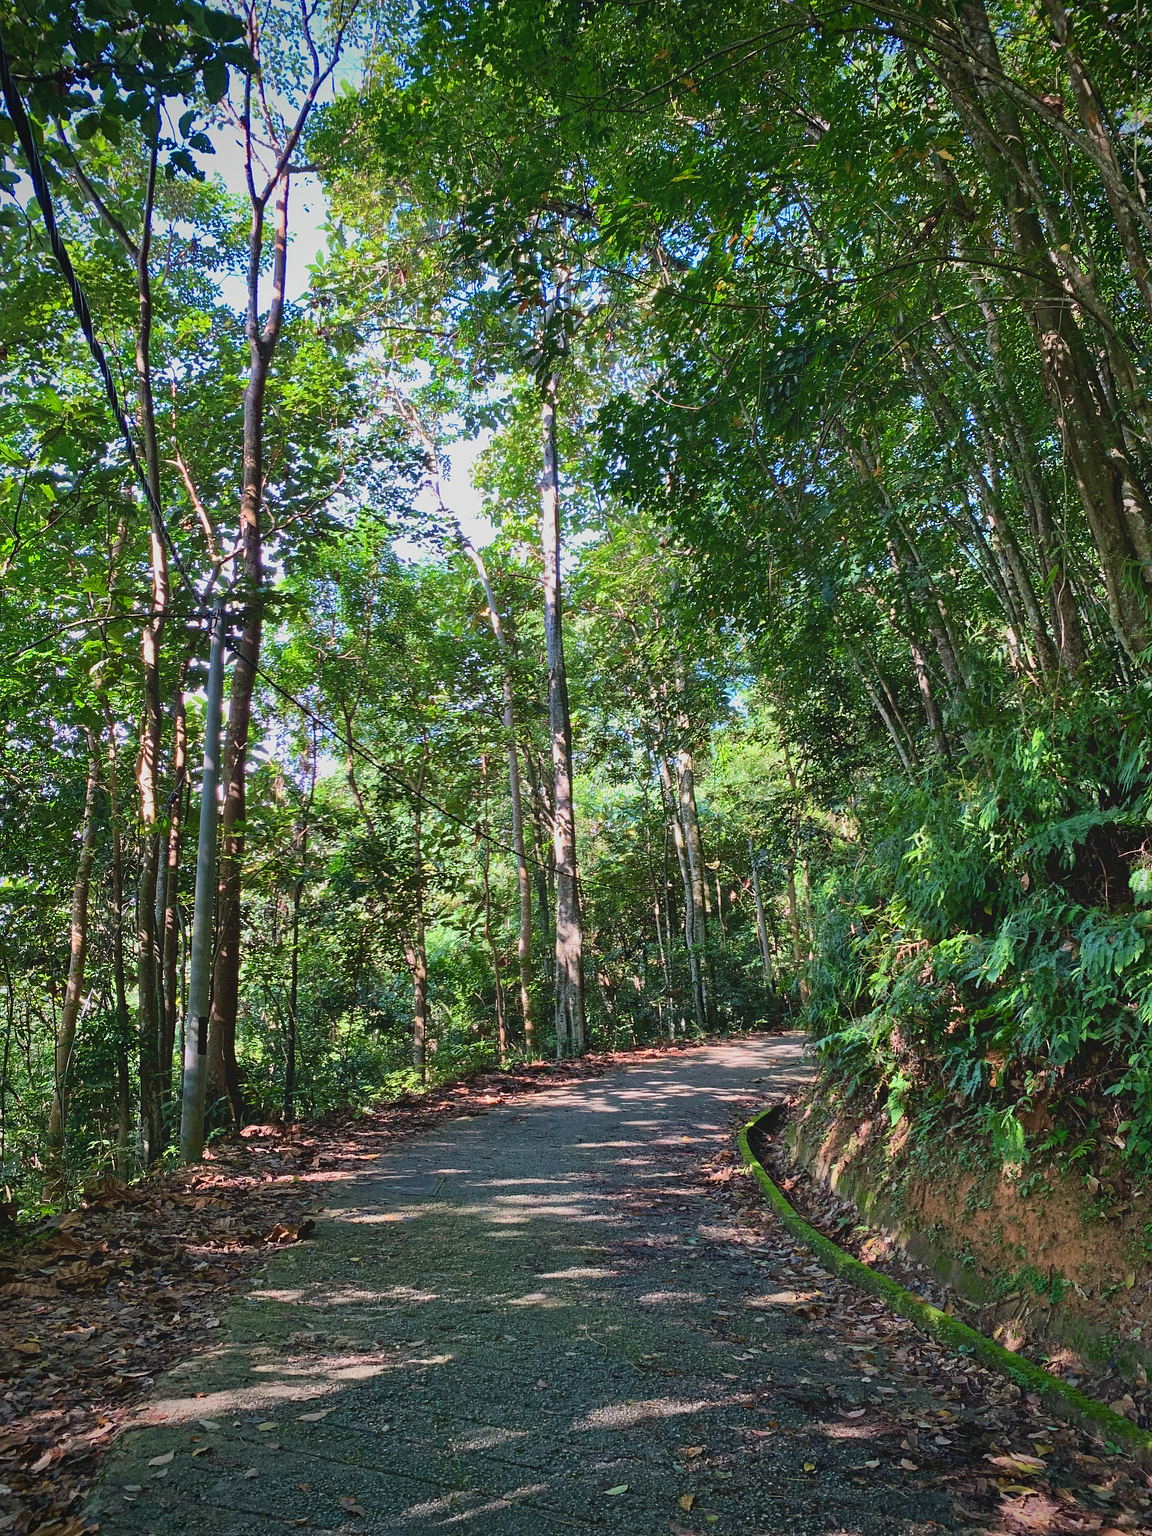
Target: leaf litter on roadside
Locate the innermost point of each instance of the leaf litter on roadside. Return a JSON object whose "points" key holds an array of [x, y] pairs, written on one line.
{"points": [[980, 1446], [96, 1302]]}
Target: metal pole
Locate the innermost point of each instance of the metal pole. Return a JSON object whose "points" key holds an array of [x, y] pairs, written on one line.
{"points": [[200, 955]]}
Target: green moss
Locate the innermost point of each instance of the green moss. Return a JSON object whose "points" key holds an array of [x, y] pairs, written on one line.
{"points": [[1057, 1396]]}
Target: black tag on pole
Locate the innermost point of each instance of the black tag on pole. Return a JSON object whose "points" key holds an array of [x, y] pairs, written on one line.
{"points": [[202, 1035]]}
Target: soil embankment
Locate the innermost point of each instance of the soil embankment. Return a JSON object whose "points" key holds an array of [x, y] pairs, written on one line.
{"points": [[1035, 1257]]}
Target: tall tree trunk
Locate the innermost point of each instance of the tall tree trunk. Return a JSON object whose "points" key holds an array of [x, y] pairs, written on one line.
{"points": [[569, 932], [294, 986], [293, 1001], [148, 955], [148, 936], [663, 945], [761, 924], [489, 937], [416, 957], [56, 1174], [524, 940], [673, 821], [1064, 610], [694, 849], [262, 340], [223, 1072], [415, 948], [799, 954], [119, 979], [794, 924], [168, 896], [1115, 503], [542, 868]]}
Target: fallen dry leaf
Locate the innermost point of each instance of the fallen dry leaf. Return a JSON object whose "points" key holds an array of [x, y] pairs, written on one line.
{"points": [[162, 1461], [314, 1418], [619, 1488], [909, 1466], [351, 1507], [686, 1501], [1017, 1463], [284, 1232]]}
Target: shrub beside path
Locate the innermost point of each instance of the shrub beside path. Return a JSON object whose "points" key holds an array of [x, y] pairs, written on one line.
{"points": [[573, 1313]]}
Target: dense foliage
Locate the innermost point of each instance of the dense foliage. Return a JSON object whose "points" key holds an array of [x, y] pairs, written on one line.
{"points": [[808, 349]]}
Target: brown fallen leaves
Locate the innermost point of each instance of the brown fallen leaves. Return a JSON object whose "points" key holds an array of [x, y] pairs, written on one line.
{"points": [[97, 1302], [296, 1232], [1009, 1469]]}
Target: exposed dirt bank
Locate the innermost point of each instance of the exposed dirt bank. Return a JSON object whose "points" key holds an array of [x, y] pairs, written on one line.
{"points": [[1034, 1257]]}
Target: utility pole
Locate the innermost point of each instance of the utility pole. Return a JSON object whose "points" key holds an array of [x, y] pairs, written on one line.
{"points": [[200, 957]]}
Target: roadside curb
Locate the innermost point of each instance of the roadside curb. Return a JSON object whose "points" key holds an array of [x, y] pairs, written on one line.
{"points": [[1058, 1398]]}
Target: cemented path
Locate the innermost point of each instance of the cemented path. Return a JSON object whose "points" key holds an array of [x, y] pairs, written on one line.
{"points": [[522, 1322]]}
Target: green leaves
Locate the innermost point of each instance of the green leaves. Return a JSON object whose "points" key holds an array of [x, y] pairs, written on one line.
{"points": [[214, 77]]}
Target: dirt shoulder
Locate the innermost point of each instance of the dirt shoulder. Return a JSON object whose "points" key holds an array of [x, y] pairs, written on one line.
{"points": [[1027, 1257]]}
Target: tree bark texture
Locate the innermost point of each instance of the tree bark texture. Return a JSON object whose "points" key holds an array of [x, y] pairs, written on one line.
{"points": [[569, 932], [56, 1175], [523, 880], [223, 1072]]}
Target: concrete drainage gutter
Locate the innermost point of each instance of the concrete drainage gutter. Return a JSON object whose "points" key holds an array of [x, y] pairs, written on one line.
{"points": [[1059, 1399]]}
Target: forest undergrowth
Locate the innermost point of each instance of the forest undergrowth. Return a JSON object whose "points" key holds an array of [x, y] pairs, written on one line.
{"points": [[983, 974]]}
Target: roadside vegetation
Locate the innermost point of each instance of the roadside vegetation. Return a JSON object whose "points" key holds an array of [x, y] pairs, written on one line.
{"points": [[786, 662]]}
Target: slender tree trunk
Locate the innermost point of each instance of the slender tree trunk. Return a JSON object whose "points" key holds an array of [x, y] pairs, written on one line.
{"points": [[415, 949], [798, 949], [148, 934], [9, 1029], [1063, 607], [694, 849], [294, 986], [119, 979], [542, 848], [794, 924], [761, 924], [148, 954], [524, 941], [569, 931], [262, 341], [223, 1071], [674, 822], [1115, 503], [669, 900], [56, 1174], [489, 937], [169, 890], [417, 961], [293, 999], [662, 947]]}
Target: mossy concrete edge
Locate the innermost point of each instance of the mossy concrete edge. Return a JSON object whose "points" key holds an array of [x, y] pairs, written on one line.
{"points": [[1057, 1396]]}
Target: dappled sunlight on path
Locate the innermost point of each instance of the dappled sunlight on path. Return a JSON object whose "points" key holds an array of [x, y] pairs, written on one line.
{"points": [[538, 1319]]}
